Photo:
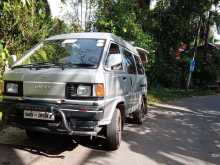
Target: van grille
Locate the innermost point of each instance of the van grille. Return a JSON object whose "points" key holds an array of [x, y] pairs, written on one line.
{"points": [[71, 91]]}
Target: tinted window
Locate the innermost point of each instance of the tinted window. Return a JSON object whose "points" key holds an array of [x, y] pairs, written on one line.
{"points": [[140, 68], [129, 62]]}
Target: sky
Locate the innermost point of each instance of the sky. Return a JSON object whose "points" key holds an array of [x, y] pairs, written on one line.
{"points": [[57, 11], [55, 7]]}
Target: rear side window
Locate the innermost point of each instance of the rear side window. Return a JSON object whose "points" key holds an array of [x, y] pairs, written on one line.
{"points": [[129, 62], [140, 68]]}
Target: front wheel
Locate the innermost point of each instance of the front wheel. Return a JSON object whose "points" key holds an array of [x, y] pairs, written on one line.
{"points": [[114, 131]]}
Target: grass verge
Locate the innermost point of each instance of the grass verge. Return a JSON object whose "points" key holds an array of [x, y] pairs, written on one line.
{"points": [[166, 94]]}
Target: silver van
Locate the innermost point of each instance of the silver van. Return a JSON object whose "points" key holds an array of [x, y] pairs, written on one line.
{"points": [[79, 84]]}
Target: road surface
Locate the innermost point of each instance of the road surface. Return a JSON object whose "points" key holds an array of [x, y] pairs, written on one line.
{"points": [[185, 132]]}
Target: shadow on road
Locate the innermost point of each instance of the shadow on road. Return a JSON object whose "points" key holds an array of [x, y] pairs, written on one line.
{"points": [[174, 136], [51, 146], [186, 132], [96, 143], [182, 139]]}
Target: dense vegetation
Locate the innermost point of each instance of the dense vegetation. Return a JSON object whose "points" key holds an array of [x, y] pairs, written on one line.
{"points": [[25, 23], [161, 31]]}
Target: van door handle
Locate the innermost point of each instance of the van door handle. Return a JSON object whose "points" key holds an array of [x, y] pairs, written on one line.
{"points": [[124, 78], [143, 85]]}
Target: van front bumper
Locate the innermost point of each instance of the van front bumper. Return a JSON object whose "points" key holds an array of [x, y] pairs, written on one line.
{"points": [[72, 119]]}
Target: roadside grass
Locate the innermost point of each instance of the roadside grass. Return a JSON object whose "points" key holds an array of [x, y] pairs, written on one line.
{"points": [[166, 94]]}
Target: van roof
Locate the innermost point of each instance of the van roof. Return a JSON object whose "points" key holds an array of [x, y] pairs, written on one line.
{"points": [[95, 35]]}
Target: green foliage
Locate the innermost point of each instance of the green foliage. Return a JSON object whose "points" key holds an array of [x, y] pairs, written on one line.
{"points": [[121, 18], [160, 31], [23, 24], [4, 58], [170, 94], [171, 23]]}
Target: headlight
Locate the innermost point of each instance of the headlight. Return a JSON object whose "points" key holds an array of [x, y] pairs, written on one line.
{"points": [[11, 88], [84, 90]]}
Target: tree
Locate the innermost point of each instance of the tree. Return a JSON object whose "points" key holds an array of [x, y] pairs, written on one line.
{"points": [[173, 22], [162, 29], [25, 23], [122, 18], [80, 13]]}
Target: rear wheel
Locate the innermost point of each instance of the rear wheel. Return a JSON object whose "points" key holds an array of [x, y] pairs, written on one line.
{"points": [[114, 131], [145, 107], [138, 116]]}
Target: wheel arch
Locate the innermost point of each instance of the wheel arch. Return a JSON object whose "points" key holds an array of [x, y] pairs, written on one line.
{"points": [[110, 108]]}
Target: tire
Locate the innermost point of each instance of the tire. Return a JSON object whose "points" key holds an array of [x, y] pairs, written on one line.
{"points": [[114, 131], [138, 116]]}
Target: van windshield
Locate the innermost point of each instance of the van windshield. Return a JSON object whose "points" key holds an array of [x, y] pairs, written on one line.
{"points": [[68, 52]]}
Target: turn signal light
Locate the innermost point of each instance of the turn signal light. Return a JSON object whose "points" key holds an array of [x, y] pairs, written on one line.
{"points": [[99, 90]]}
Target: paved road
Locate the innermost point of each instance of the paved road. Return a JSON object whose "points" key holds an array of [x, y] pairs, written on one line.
{"points": [[185, 132]]}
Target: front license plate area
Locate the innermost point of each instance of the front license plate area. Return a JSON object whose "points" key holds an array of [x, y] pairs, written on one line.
{"points": [[38, 115]]}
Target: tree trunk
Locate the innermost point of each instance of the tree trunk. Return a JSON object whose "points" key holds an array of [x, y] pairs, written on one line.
{"points": [[86, 13], [207, 37]]}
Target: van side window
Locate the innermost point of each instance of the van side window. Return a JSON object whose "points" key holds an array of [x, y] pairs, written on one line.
{"points": [[140, 68], [115, 51], [129, 62]]}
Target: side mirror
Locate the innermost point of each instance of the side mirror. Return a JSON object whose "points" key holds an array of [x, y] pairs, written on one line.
{"points": [[14, 58], [114, 60]]}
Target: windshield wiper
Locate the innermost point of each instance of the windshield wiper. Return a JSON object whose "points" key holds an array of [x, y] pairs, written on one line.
{"points": [[80, 65], [22, 66], [40, 65]]}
